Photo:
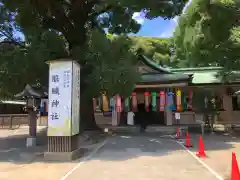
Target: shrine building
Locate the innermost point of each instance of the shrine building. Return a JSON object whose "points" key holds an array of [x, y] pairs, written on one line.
{"points": [[155, 78]]}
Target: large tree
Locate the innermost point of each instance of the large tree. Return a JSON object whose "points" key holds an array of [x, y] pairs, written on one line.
{"points": [[208, 34], [78, 24]]}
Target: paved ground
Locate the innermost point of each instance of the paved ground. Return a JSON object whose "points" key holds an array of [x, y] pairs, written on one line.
{"points": [[218, 148], [21, 163], [142, 158]]}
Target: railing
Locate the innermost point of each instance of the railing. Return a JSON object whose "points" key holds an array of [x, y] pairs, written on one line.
{"points": [[12, 121]]}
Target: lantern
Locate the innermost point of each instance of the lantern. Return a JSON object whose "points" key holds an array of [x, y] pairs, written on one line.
{"points": [[146, 100], [154, 101], [134, 102], [119, 104], [162, 101], [178, 100], [105, 102]]}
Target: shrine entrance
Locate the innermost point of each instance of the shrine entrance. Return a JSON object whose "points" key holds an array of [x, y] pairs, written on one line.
{"points": [[148, 118]]}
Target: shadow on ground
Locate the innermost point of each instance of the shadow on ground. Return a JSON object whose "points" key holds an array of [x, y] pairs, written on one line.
{"points": [[120, 147]]}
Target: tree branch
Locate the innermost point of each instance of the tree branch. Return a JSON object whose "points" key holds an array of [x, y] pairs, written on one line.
{"points": [[10, 39], [105, 9]]}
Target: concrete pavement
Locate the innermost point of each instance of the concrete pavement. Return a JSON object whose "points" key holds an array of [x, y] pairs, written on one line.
{"points": [[145, 156], [141, 158]]}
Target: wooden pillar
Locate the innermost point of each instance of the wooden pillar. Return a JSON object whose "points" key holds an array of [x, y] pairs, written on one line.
{"points": [[32, 119]]}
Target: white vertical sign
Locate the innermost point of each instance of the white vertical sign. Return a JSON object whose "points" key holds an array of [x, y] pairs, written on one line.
{"points": [[76, 99], [60, 113]]}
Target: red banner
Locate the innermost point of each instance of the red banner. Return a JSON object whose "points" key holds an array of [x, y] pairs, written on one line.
{"points": [[162, 101], [119, 104]]}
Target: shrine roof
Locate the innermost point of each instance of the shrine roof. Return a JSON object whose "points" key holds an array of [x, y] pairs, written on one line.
{"points": [[158, 74], [195, 76]]}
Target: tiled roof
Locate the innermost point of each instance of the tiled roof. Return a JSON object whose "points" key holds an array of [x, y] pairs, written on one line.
{"points": [[201, 75], [164, 78]]}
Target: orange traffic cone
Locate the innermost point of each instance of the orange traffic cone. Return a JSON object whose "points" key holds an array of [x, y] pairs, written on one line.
{"points": [[235, 175], [178, 136], [201, 152], [188, 143]]}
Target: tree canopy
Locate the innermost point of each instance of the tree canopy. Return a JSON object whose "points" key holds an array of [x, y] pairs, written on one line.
{"points": [[208, 34], [157, 49], [54, 29], [70, 17]]}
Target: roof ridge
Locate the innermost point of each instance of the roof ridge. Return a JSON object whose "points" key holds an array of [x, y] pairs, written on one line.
{"points": [[154, 65]]}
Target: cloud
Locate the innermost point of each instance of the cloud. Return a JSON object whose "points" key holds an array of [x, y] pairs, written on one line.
{"points": [[139, 17], [168, 32]]}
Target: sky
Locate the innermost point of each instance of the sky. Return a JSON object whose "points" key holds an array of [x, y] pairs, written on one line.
{"points": [[157, 27]]}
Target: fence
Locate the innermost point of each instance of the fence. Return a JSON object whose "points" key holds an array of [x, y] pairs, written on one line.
{"points": [[12, 121]]}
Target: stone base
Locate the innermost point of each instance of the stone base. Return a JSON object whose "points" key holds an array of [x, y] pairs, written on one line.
{"points": [[31, 142], [64, 156]]}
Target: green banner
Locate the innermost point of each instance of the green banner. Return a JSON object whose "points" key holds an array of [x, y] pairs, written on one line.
{"points": [[154, 101]]}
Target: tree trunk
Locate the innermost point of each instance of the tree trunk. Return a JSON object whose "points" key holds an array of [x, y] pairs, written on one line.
{"points": [[87, 119]]}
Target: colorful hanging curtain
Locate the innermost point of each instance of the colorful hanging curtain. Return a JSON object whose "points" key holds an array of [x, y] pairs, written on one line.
{"points": [[154, 101], [190, 97], [105, 102], [146, 100], [94, 104], [170, 95], [119, 104], [178, 100], [134, 102], [162, 101]]}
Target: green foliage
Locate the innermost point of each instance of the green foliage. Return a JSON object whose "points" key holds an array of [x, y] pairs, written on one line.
{"points": [[75, 29], [157, 49], [207, 34], [112, 65], [25, 63]]}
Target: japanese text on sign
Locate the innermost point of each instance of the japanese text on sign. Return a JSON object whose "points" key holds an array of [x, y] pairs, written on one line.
{"points": [[55, 102]]}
